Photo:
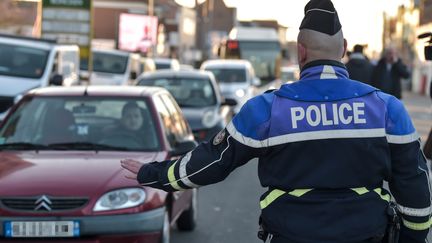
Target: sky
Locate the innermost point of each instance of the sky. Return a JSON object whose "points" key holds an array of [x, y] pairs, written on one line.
{"points": [[362, 20]]}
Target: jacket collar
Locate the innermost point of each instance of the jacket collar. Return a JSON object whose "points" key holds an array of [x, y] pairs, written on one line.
{"points": [[324, 69], [324, 80]]}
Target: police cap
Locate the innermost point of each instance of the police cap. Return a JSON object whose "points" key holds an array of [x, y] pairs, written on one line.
{"points": [[321, 16]]}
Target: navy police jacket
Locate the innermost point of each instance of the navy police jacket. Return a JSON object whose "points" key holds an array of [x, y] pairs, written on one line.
{"points": [[325, 145]]}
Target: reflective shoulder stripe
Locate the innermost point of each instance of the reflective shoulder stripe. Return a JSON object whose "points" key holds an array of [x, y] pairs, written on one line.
{"points": [[171, 177], [304, 136], [416, 212], [402, 139], [299, 192], [385, 197], [417, 226], [360, 190], [273, 195]]}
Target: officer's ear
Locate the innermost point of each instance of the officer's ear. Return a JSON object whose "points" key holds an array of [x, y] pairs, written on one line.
{"points": [[345, 48], [302, 54]]}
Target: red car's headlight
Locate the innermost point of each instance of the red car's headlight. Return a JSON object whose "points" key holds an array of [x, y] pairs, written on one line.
{"points": [[119, 199]]}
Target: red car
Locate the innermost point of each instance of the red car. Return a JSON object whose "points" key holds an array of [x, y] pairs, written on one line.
{"points": [[60, 174]]}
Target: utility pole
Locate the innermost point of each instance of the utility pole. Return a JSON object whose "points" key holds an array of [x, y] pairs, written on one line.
{"points": [[150, 7]]}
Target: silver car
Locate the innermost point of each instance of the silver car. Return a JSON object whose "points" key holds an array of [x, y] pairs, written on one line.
{"points": [[236, 79], [198, 96]]}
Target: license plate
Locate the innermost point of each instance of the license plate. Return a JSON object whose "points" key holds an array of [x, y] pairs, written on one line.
{"points": [[42, 229]]}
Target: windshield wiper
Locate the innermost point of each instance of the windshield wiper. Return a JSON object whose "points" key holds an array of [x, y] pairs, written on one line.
{"points": [[22, 146], [86, 146]]}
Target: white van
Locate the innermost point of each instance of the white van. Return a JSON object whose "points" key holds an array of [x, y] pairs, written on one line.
{"points": [[236, 79], [28, 63], [112, 67]]}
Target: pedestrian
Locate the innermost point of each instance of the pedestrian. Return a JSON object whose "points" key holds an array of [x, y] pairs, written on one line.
{"points": [[388, 73], [359, 67], [324, 144]]}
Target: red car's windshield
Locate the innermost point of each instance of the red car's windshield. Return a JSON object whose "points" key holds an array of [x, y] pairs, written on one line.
{"points": [[101, 123]]}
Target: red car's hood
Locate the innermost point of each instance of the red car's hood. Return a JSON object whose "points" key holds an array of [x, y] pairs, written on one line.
{"points": [[63, 173]]}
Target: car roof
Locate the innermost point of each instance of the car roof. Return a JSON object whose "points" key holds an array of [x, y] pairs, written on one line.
{"points": [[177, 73], [236, 63], [129, 91], [27, 41]]}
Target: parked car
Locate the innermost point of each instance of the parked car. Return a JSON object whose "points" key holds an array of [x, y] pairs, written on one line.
{"points": [[28, 63], [112, 67], [290, 74], [198, 95], [167, 63], [236, 79], [60, 174]]}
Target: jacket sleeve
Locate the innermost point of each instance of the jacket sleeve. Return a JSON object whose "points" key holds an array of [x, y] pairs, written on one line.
{"points": [[211, 161], [409, 183]]}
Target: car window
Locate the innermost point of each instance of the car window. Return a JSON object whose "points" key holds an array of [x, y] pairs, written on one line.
{"points": [[229, 75], [288, 75], [167, 121], [22, 61], [108, 63], [162, 65], [188, 92], [123, 123], [181, 128]]}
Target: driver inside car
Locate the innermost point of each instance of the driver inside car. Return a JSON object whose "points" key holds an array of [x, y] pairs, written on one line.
{"points": [[132, 117], [129, 131]]}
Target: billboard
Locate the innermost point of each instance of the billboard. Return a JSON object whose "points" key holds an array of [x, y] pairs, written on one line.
{"points": [[68, 22], [137, 32]]}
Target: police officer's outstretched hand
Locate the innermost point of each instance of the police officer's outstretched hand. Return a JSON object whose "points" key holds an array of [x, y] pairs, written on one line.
{"points": [[132, 166], [147, 174]]}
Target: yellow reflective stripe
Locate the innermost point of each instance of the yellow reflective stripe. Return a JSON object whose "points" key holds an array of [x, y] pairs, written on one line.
{"points": [[299, 192], [171, 177], [273, 195], [363, 190], [417, 226], [360, 190], [383, 197]]}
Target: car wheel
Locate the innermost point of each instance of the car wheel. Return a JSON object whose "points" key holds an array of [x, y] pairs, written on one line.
{"points": [[187, 220], [166, 229]]}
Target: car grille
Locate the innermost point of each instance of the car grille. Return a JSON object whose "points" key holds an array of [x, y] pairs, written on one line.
{"points": [[5, 103], [33, 204]]}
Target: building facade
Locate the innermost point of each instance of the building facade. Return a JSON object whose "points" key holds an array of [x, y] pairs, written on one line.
{"points": [[214, 22], [422, 74]]}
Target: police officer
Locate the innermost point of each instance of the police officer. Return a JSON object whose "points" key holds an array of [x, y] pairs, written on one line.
{"points": [[325, 145]]}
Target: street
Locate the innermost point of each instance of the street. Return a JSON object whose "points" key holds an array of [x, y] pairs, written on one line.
{"points": [[228, 211]]}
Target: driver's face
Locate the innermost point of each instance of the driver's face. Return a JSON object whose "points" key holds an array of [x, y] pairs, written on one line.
{"points": [[132, 119]]}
